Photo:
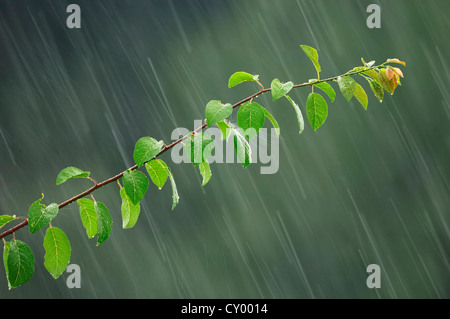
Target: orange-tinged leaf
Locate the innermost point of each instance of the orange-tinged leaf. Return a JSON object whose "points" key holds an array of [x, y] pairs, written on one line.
{"points": [[398, 71], [396, 61], [387, 85], [395, 81], [389, 73], [398, 80]]}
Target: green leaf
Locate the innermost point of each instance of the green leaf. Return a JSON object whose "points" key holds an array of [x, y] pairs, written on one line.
{"points": [[57, 251], [372, 73], [5, 260], [313, 55], [205, 171], [135, 184], [280, 89], [69, 173], [39, 215], [316, 110], [274, 122], [4, 219], [328, 89], [242, 148], [361, 96], [158, 172], [240, 77], [199, 147], [216, 111], [376, 89], [347, 85], [104, 222], [130, 211], [145, 149], [225, 128], [250, 118], [88, 216], [175, 197], [19, 263], [301, 122], [359, 68]]}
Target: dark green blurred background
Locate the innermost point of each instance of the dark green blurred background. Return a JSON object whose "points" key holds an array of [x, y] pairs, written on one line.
{"points": [[367, 187]]}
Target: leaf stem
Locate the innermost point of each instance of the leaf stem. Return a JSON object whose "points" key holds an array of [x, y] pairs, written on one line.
{"points": [[262, 86], [93, 180]]}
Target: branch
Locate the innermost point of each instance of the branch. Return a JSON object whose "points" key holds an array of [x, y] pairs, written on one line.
{"points": [[167, 147], [251, 115]]}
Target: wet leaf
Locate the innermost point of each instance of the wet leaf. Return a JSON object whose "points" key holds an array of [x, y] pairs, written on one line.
{"points": [[39, 215], [298, 112], [316, 110], [19, 261], [130, 212], [135, 184], [242, 148], [104, 222], [69, 173], [376, 89], [240, 77], [279, 89], [328, 89], [398, 71], [57, 251], [388, 85], [389, 74], [145, 149], [250, 118], [225, 128], [205, 171], [175, 197], [88, 216], [312, 55], [4, 219], [347, 85], [158, 172], [396, 61], [273, 121], [199, 147], [216, 111], [361, 96]]}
